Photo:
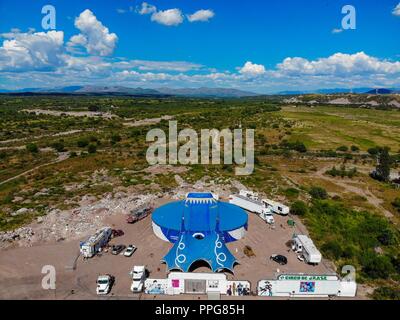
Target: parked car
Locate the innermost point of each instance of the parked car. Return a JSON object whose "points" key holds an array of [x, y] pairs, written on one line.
{"points": [[117, 233], [104, 284], [278, 258], [130, 250], [138, 215], [117, 249]]}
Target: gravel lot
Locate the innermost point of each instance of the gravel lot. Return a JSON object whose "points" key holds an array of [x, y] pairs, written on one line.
{"points": [[20, 268]]}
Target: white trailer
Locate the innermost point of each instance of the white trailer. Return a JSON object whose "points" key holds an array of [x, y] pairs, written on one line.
{"points": [[305, 246], [276, 207], [96, 242], [249, 201]]}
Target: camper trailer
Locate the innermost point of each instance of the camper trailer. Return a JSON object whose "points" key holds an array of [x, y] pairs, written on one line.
{"points": [[304, 246], [249, 201], [96, 242], [276, 207]]}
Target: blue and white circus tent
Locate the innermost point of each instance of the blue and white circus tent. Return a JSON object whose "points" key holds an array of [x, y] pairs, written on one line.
{"points": [[199, 226]]}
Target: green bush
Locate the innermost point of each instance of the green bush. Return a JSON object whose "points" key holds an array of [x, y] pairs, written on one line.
{"points": [[33, 148], [318, 193], [291, 192], [332, 249], [58, 146], [82, 143], [355, 148], [376, 266], [298, 208], [396, 203], [386, 293], [92, 148], [342, 149]]}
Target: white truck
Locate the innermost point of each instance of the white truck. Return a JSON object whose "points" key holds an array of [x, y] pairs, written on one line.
{"points": [[305, 247], [276, 207], [138, 274], [104, 284], [249, 201], [96, 242]]}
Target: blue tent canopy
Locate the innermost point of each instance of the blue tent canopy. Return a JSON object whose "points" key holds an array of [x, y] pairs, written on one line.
{"points": [[199, 226]]}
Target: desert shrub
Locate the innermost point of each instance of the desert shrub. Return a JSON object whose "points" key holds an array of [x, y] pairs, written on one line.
{"points": [[386, 293], [318, 193], [354, 148], [396, 203], [92, 148], [332, 249], [58, 146], [376, 266], [291, 192], [343, 149], [33, 148], [82, 143], [298, 208]]}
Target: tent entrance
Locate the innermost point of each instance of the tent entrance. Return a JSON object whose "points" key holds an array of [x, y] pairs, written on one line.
{"points": [[195, 286]]}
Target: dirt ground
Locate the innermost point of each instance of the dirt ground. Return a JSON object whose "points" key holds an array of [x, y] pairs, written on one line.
{"points": [[20, 268]]}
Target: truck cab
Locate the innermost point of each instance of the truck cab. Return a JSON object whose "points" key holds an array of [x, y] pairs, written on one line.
{"points": [[104, 284], [138, 274], [267, 216]]}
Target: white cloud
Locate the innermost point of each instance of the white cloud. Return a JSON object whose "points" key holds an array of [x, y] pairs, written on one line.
{"points": [[201, 15], [170, 17], [94, 36], [396, 10], [146, 65], [32, 51], [252, 69], [335, 31], [339, 64], [147, 9]]}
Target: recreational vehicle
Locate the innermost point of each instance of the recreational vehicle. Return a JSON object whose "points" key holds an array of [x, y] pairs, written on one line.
{"points": [[96, 242], [276, 207], [306, 248]]}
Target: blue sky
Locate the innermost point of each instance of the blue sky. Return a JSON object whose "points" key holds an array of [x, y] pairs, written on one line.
{"points": [[263, 46]]}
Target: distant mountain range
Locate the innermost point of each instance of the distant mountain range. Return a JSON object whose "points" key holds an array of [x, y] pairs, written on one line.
{"points": [[120, 90], [203, 92], [344, 90]]}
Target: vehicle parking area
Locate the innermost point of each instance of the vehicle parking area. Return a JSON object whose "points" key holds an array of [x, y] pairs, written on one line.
{"points": [[21, 277]]}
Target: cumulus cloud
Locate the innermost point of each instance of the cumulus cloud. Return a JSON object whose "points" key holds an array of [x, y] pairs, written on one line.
{"points": [[146, 65], [201, 15], [147, 8], [94, 36], [396, 10], [252, 69], [170, 17], [339, 64], [32, 51]]}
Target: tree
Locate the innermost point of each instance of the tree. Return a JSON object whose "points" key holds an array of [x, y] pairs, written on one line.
{"points": [[355, 148], [115, 138], [58, 146], [318, 193], [342, 149], [33, 148], [396, 203], [376, 267], [92, 148], [82, 143], [298, 208], [382, 171], [93, 108]]}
